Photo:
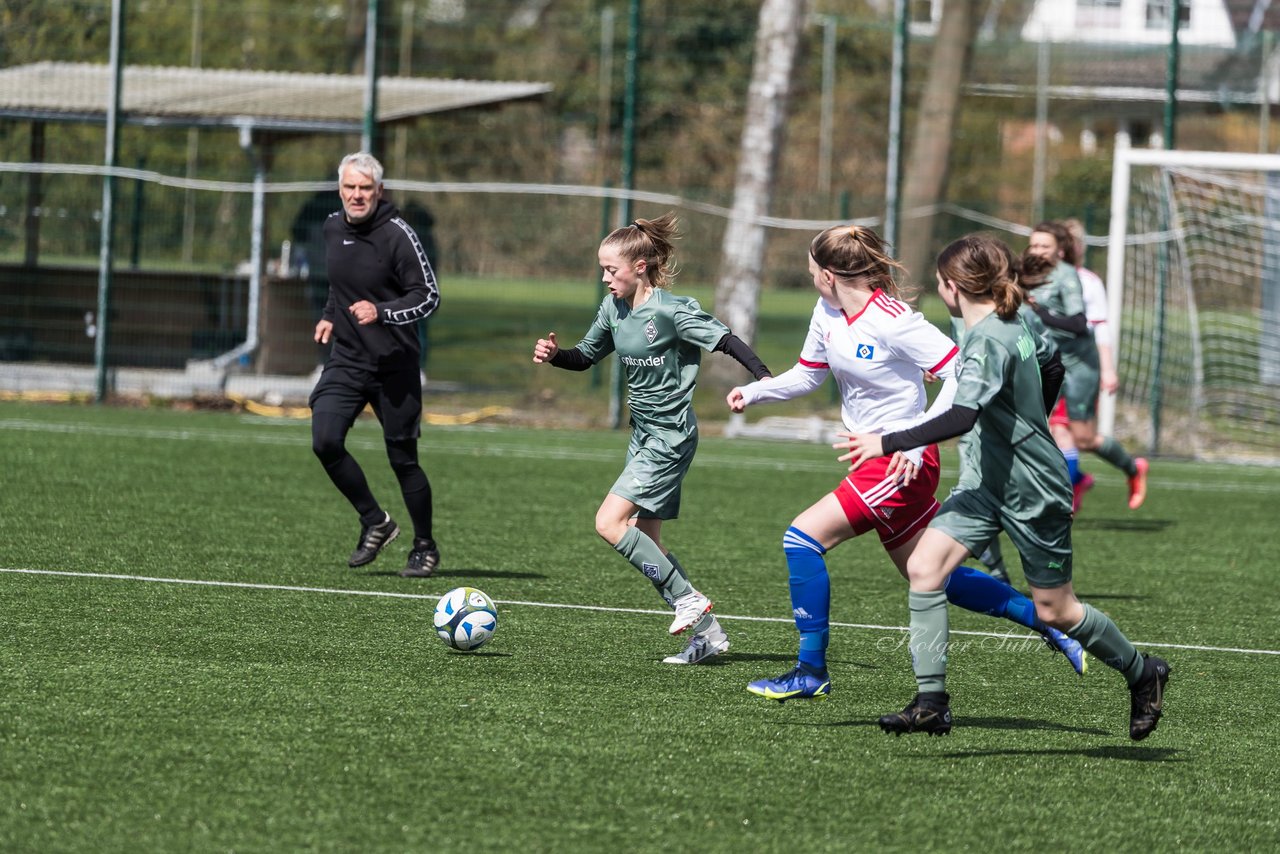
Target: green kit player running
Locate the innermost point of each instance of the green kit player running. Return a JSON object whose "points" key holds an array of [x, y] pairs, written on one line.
{"points": [[1060, 303], [659, 339], [1033, 271], [1012, 479]]}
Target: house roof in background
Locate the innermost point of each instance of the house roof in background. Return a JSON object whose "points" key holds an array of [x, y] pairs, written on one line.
{"points": [[1127, 78], [264, 100], [1130, 76]]}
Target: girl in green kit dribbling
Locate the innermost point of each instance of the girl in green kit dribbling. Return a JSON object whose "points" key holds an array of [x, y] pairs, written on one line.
{"points": [[659, 339], [1012, 480]]}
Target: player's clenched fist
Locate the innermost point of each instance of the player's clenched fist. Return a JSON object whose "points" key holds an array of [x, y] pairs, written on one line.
{"points": [[546, 349]]}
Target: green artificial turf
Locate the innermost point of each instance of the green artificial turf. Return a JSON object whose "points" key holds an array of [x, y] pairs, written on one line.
{"points": [[290, 703]]}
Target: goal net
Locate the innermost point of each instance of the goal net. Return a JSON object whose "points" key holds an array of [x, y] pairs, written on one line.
{"points": [[1193, 278]]}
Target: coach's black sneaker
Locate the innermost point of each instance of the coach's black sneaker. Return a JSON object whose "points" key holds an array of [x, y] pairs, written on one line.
{"points": [[928, 712], [373, 539], [1146, 697], [423, 560]]}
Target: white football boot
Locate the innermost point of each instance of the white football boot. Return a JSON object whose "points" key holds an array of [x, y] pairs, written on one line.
{"points": [[704, 645], [689, 609]]}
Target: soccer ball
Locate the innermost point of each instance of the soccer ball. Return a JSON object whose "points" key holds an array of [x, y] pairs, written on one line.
{"points": [[465, 618]]}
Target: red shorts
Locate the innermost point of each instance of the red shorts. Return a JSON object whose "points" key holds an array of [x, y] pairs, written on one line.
{"points": [[872, 501], [1058, 417]]}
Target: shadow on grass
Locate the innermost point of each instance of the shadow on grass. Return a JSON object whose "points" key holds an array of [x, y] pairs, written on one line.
{"points": [[995, 723], [1115, 524], [786, 658], [717, 661], [1026, 723], [1127, 753], [467, 573]]}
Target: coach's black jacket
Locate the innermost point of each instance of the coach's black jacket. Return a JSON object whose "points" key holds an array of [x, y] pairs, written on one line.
{"points": [[380, 260]]}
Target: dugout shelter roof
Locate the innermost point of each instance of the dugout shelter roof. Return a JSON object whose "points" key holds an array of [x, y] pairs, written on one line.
{"points": [[260, 100]]}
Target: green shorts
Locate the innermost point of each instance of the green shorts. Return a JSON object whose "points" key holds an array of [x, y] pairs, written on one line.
{"points": [[973, 518], [1083, 380], [654, 473], [1080, 389]]}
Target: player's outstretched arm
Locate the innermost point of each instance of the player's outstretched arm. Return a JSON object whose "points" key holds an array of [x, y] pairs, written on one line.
{"points": [[955, 421], [860, 446], [572, 359], [545, 349], [743, 355]]}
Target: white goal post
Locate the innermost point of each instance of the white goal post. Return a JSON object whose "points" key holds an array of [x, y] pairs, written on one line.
{"points": [[1193, 281]]}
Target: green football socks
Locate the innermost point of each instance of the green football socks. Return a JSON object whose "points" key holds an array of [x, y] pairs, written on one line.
{"points": [[1114, 453], [928, 639], [1103, 639], [643, 553], [675, 564]]}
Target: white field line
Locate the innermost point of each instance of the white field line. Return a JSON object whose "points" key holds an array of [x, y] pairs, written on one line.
{"points": [[245, 585]]}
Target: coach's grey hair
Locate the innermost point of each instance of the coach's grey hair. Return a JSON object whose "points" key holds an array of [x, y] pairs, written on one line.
{"points": [[363, 162]]}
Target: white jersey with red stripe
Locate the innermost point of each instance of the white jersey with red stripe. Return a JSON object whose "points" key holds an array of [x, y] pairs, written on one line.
{"points": [[878, 357], [1095, 304]]}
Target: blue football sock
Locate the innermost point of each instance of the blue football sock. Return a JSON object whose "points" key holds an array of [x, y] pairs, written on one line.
{"points": [[810, 596], [1072, 457], [974, 590]]}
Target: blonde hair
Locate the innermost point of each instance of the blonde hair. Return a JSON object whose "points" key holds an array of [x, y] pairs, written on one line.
{"points": [[649, 240], [851, 252], [983, 267]]}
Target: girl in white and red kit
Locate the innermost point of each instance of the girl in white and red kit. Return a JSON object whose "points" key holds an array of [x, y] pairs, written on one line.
{"points": [[878, 348]]}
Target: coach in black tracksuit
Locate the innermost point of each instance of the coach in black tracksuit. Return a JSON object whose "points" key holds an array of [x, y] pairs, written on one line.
{"points": [[380, 285]]}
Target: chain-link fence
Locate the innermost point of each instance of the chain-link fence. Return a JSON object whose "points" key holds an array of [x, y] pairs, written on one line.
{"points": [[514, 186]]}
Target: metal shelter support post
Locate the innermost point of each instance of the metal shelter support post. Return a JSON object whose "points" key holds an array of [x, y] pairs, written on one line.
{"points": [[1171, 77], [258, 221], [893, 160], [1040, 167], [628, 172], [35, 198], [370, 77], [257, 225], [105, 250], [826, 120]]}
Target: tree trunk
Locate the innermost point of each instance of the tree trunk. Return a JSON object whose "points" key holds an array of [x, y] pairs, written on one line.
{"points": [[925, 181], [782, 24]]}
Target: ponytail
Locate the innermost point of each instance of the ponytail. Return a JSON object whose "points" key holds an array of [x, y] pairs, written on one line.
{"points": [[983, 268], [650, 240]]}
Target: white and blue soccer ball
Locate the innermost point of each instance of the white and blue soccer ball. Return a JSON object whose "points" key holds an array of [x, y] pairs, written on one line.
{"points": [[465, 618]]}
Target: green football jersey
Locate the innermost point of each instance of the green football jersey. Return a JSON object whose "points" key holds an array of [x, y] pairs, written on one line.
{"points": [[660, 346], [1010, 452], [1045, 346], [1064, 296]]}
